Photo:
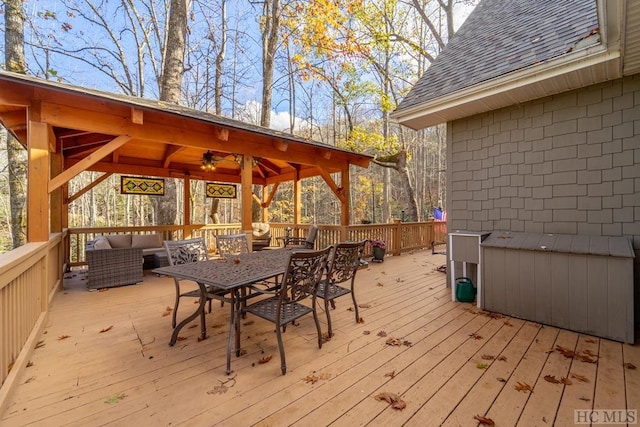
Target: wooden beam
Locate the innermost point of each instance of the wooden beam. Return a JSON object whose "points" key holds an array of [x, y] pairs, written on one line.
{"points": [[332, 185], [272, 193], [137, 116], [187, 206], [172, 150], [88, 187], [14, 118], [297, 197], [247, 194], [85, 163], [281, 145], [222, 134], [57, 204], [37, 178], [345, 212]]}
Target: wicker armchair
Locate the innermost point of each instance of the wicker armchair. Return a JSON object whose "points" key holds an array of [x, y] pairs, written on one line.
{"points": [[113, 267]]}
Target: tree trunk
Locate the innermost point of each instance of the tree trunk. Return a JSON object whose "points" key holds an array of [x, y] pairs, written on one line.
{"points": [[269, 31], [16, 154], [170, 88]]}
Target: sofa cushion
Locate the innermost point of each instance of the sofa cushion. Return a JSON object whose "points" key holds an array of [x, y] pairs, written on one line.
{"points": [[101, 242], [261, 230], [119, 240], [146, 241]]}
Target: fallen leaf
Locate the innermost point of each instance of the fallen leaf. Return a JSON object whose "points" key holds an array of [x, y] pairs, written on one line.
{"points": [[507, 323], [366, 332], [379, 284], [391, 374], [382, 334], [475, 336], [29, 364], [391, 398], [350, 309], [590, 353], [264, 360], [585, 399], [40, 344], [502, 380], [481, 365], [181, 338], [523, 387], [552, 379], [484, 420], [568, 353], [115, 399], [565, 381], [360, 320], [169, 309], [364, 305], [102, 331], [63, 337], [586, 359], [591, 340], [394, 341], [166, 313], [488, 357], [219, 389], [502, 358], [580, 378], [310, 379], [29, 380], [629, 365], [406, 343]]}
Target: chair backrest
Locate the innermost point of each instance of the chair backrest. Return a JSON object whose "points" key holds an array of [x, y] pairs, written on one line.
{"points": [[232, 244], [186, 251], [304, 272], [345, 261], [313, 234]]}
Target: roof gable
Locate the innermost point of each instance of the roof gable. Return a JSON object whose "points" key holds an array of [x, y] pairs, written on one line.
{"points": [[501, 37]]}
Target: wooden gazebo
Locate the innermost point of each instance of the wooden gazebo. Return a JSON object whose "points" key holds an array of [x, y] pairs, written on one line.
{"points": [[67, 130]]}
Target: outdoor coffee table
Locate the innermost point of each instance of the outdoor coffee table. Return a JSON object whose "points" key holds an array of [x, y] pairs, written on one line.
{"points": [[233, 273]]}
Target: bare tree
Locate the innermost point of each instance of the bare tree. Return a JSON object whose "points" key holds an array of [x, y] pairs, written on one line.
{"points": [[16, 154]]}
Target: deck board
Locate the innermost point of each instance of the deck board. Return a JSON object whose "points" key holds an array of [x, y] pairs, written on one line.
{"points": [[130, 376]]}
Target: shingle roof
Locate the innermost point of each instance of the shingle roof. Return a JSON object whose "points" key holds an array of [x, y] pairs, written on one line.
{"points": [[502, 36]]}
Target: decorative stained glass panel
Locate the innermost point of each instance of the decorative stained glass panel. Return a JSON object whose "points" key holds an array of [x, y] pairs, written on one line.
{"points": [[146, 186], [221, 191]]}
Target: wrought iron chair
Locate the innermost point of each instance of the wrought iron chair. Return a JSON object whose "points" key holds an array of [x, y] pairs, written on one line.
{"points": [[341, 268], [232, 244], [308, 242], [304, 272], [183, 252]]}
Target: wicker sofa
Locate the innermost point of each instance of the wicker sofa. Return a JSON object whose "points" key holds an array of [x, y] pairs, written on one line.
{"points": [[119, 259]]}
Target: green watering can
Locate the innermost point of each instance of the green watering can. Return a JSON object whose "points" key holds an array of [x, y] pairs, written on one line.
{"points": [[465, 291]]}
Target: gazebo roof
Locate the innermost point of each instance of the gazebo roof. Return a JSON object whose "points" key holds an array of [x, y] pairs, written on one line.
{"points": [[123, 134]]}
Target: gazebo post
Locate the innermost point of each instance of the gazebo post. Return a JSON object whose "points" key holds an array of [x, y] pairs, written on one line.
{"points": [[37, 178], [187, 207], [345, 211], [297, 196], [247, 196]]}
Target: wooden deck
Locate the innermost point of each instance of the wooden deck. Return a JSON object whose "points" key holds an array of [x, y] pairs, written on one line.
{"points": [[452, 362]]}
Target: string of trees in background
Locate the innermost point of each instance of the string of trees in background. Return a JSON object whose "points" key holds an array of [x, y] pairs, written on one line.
{"points": [[328, 71]]}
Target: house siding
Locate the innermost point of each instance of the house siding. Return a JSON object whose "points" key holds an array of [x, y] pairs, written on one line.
{"points": [[569, 164]]}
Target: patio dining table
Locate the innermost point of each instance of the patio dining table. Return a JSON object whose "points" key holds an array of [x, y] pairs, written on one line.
{"points": [[232, 273]]}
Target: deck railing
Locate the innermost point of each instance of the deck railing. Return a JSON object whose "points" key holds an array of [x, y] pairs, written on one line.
{"points": [[29, 277], [399, 236]]}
